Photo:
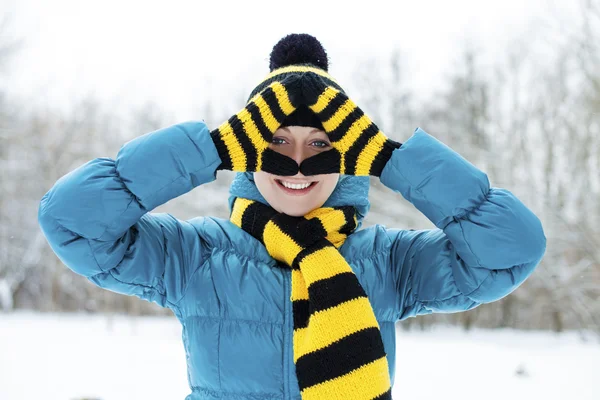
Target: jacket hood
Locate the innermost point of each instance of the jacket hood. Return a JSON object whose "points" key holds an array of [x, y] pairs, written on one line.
{"points": [[350, 190]]}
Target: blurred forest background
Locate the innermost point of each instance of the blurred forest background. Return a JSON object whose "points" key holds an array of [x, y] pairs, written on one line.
{"points": [[532, 126]]}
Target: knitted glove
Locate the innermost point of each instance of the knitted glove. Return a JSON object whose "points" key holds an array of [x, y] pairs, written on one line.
{"points": [[243, 140], [359, 147]]}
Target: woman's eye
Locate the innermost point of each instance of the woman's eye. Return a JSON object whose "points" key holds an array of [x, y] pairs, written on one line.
{"points": [[321, 143], [317, 143]]}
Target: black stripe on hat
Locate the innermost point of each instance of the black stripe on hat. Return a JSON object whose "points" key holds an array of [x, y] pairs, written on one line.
{"points": [[259, 88], [303, 116], [339, 358], [280, 77], [245, 142]]}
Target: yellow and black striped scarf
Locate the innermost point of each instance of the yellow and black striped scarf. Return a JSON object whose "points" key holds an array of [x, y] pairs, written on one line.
{"points": [[338, 349]]}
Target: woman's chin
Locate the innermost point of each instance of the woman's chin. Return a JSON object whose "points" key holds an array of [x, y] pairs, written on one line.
{"points": [[298, 210], [295, 212]]}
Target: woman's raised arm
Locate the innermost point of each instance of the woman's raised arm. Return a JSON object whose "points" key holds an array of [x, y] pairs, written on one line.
{"points": [[97, 217], [486, 241]]}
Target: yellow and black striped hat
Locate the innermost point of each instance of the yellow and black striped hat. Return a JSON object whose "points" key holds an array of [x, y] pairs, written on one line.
{"points": [[298, 53]]}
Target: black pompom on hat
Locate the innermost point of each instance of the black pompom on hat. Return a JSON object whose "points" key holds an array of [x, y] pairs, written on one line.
{"points": [[298, 49], [293, 54]]}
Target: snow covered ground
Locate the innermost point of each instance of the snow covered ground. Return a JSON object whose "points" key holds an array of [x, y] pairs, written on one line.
{"points": [[67, 357]]}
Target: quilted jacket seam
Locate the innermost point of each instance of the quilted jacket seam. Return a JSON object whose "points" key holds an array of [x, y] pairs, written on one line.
{"points": [[475, 207], [462, 231], [202, 264], [490, 275], [135, 284], [391, 260], [415, 299], [134, 198], [88, 241]]}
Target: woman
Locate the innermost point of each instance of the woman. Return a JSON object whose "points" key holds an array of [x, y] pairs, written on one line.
{"points": [[288, 299]]}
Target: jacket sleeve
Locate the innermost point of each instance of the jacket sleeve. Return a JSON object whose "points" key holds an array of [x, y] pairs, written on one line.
{"points": [[486, 241], [96, 218]]}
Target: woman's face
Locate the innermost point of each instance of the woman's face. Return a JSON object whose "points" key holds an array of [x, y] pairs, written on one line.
{"points": [[299, 143]]}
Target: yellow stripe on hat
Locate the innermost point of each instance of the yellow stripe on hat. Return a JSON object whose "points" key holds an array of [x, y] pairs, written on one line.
{"points": [[367, 382], [299, 69], [283, 98], [328, 326], [236, 153]]}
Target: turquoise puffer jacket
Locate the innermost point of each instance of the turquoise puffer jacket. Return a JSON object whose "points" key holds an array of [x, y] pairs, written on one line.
{"points": [[231, 298]]}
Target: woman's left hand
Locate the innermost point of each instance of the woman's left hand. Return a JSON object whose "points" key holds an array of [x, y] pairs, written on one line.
{"points": [[359, 146]]}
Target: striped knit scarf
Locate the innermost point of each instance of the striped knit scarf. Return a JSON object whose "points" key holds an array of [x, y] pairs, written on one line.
{"points": [[338, 349]]}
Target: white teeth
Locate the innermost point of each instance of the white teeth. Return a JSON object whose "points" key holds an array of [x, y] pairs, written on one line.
{"points": [[295, 185]]}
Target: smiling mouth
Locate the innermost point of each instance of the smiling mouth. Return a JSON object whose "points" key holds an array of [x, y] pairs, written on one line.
{"points": [[296, 189]]}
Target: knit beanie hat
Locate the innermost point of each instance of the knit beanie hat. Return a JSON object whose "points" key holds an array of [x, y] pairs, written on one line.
{"points": [[292, 54], [297, 53]]}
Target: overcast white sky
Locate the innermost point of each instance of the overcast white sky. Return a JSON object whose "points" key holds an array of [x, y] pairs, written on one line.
{"points": [[180, 53]]}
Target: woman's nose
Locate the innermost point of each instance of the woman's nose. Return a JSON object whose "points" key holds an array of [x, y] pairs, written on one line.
{"points": [[298, 152]]}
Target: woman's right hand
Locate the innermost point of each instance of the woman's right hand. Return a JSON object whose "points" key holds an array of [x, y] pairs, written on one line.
{"points": [[243, 140]]}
